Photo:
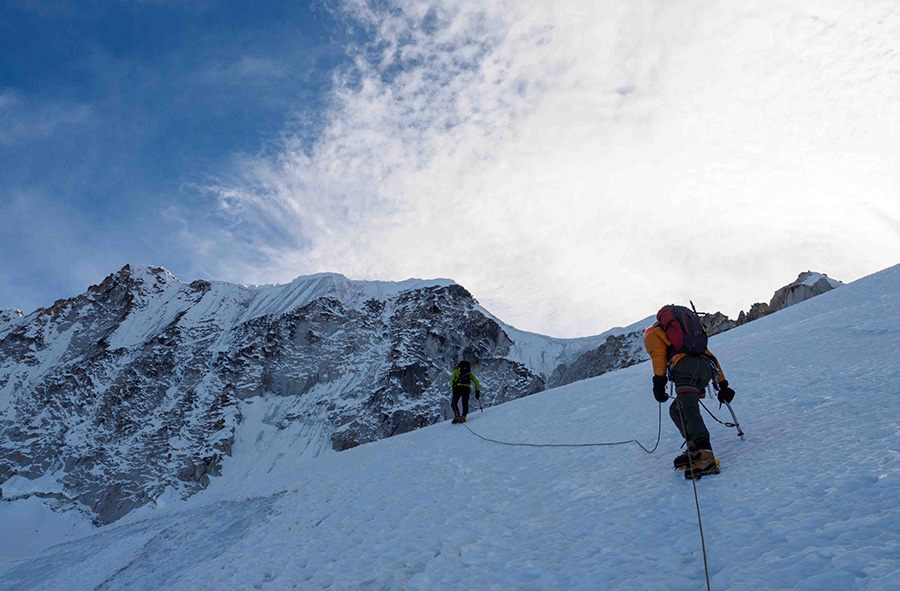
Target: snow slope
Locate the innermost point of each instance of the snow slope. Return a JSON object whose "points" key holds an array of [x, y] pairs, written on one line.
{"points": [[808, 501], [543, 354]]}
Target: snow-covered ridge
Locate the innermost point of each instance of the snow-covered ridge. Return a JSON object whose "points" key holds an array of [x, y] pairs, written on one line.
{"points": [[163, 297], [235, 304], [275, 299]]}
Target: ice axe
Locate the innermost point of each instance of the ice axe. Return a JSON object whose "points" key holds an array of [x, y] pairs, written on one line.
{"points": [[478, 398], [736, 424]]}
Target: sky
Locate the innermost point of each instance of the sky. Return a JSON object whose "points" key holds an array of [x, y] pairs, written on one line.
{"points": [[574, 165]]}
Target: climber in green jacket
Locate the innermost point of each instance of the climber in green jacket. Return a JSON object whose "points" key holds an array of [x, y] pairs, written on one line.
{"points": [[460, 383]]}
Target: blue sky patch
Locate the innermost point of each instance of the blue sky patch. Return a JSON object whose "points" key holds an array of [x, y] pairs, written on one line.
{"points": [[111, 113]]}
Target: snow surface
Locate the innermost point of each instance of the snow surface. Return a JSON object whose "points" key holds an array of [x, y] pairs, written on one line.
{"points": [[808, 501], [29, 527]]}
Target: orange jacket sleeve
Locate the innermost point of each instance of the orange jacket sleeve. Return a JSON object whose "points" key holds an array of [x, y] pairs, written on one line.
{"points": [[657, 346]]}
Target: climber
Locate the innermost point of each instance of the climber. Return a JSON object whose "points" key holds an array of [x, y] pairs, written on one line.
{"points": [[677, 344], [460, 383]]}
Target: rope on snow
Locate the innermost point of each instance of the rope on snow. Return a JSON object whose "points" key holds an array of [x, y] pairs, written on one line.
{"points": [[649, 451]]}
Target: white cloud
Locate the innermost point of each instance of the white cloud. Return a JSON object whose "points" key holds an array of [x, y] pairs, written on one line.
{"points": [[577, 164]]}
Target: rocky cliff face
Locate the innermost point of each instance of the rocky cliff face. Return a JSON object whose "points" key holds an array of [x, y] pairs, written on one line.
{"points": [[617, 352], [136, 386], [146, 385]]}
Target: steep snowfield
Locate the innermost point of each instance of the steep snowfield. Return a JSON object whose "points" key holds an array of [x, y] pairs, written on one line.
{"points": [[543, 354], [809, 501]]}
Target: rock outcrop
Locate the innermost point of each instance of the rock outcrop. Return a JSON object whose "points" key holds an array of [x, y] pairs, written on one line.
{"points": [[808, 285], [617, 352]]}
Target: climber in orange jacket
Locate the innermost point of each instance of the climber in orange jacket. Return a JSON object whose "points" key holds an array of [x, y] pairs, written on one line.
{"points": [[690, 365]]}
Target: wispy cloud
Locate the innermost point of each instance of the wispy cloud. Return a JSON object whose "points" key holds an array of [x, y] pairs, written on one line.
{"points": [[247, 68], [23, 119], [576, 164]]}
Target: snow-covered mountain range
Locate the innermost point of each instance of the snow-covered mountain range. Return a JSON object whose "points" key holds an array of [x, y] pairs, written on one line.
{"points": [[135, 389], [808, 501]]}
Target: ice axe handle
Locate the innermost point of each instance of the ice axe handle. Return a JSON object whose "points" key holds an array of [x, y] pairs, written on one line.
{"points": [[736, 423]]}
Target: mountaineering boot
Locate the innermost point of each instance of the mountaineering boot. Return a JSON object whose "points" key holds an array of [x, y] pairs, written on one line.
{"points": [[683, 461], [462, 419], [691, 453], [705, 464]]}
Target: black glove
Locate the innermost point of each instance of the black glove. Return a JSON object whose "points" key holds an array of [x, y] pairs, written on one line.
{"points": [[477, 395], [726, 394], [659, 388]]}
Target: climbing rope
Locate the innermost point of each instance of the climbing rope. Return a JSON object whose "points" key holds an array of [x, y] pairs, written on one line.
{"points": [[694, 482], [649, 451]]}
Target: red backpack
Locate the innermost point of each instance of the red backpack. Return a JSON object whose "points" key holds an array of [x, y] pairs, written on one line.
{"points": [[683, 329]]}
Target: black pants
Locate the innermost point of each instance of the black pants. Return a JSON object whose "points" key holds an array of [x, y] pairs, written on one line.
{"points": [[461, 392], [690, 375]]}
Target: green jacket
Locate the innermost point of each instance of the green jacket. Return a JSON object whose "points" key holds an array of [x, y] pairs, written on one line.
{"points": [[456, 381]]}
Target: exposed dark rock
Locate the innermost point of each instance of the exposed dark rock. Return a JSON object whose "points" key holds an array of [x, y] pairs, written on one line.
{"points": [[757, 311], [716, 323], [617, 352]]}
